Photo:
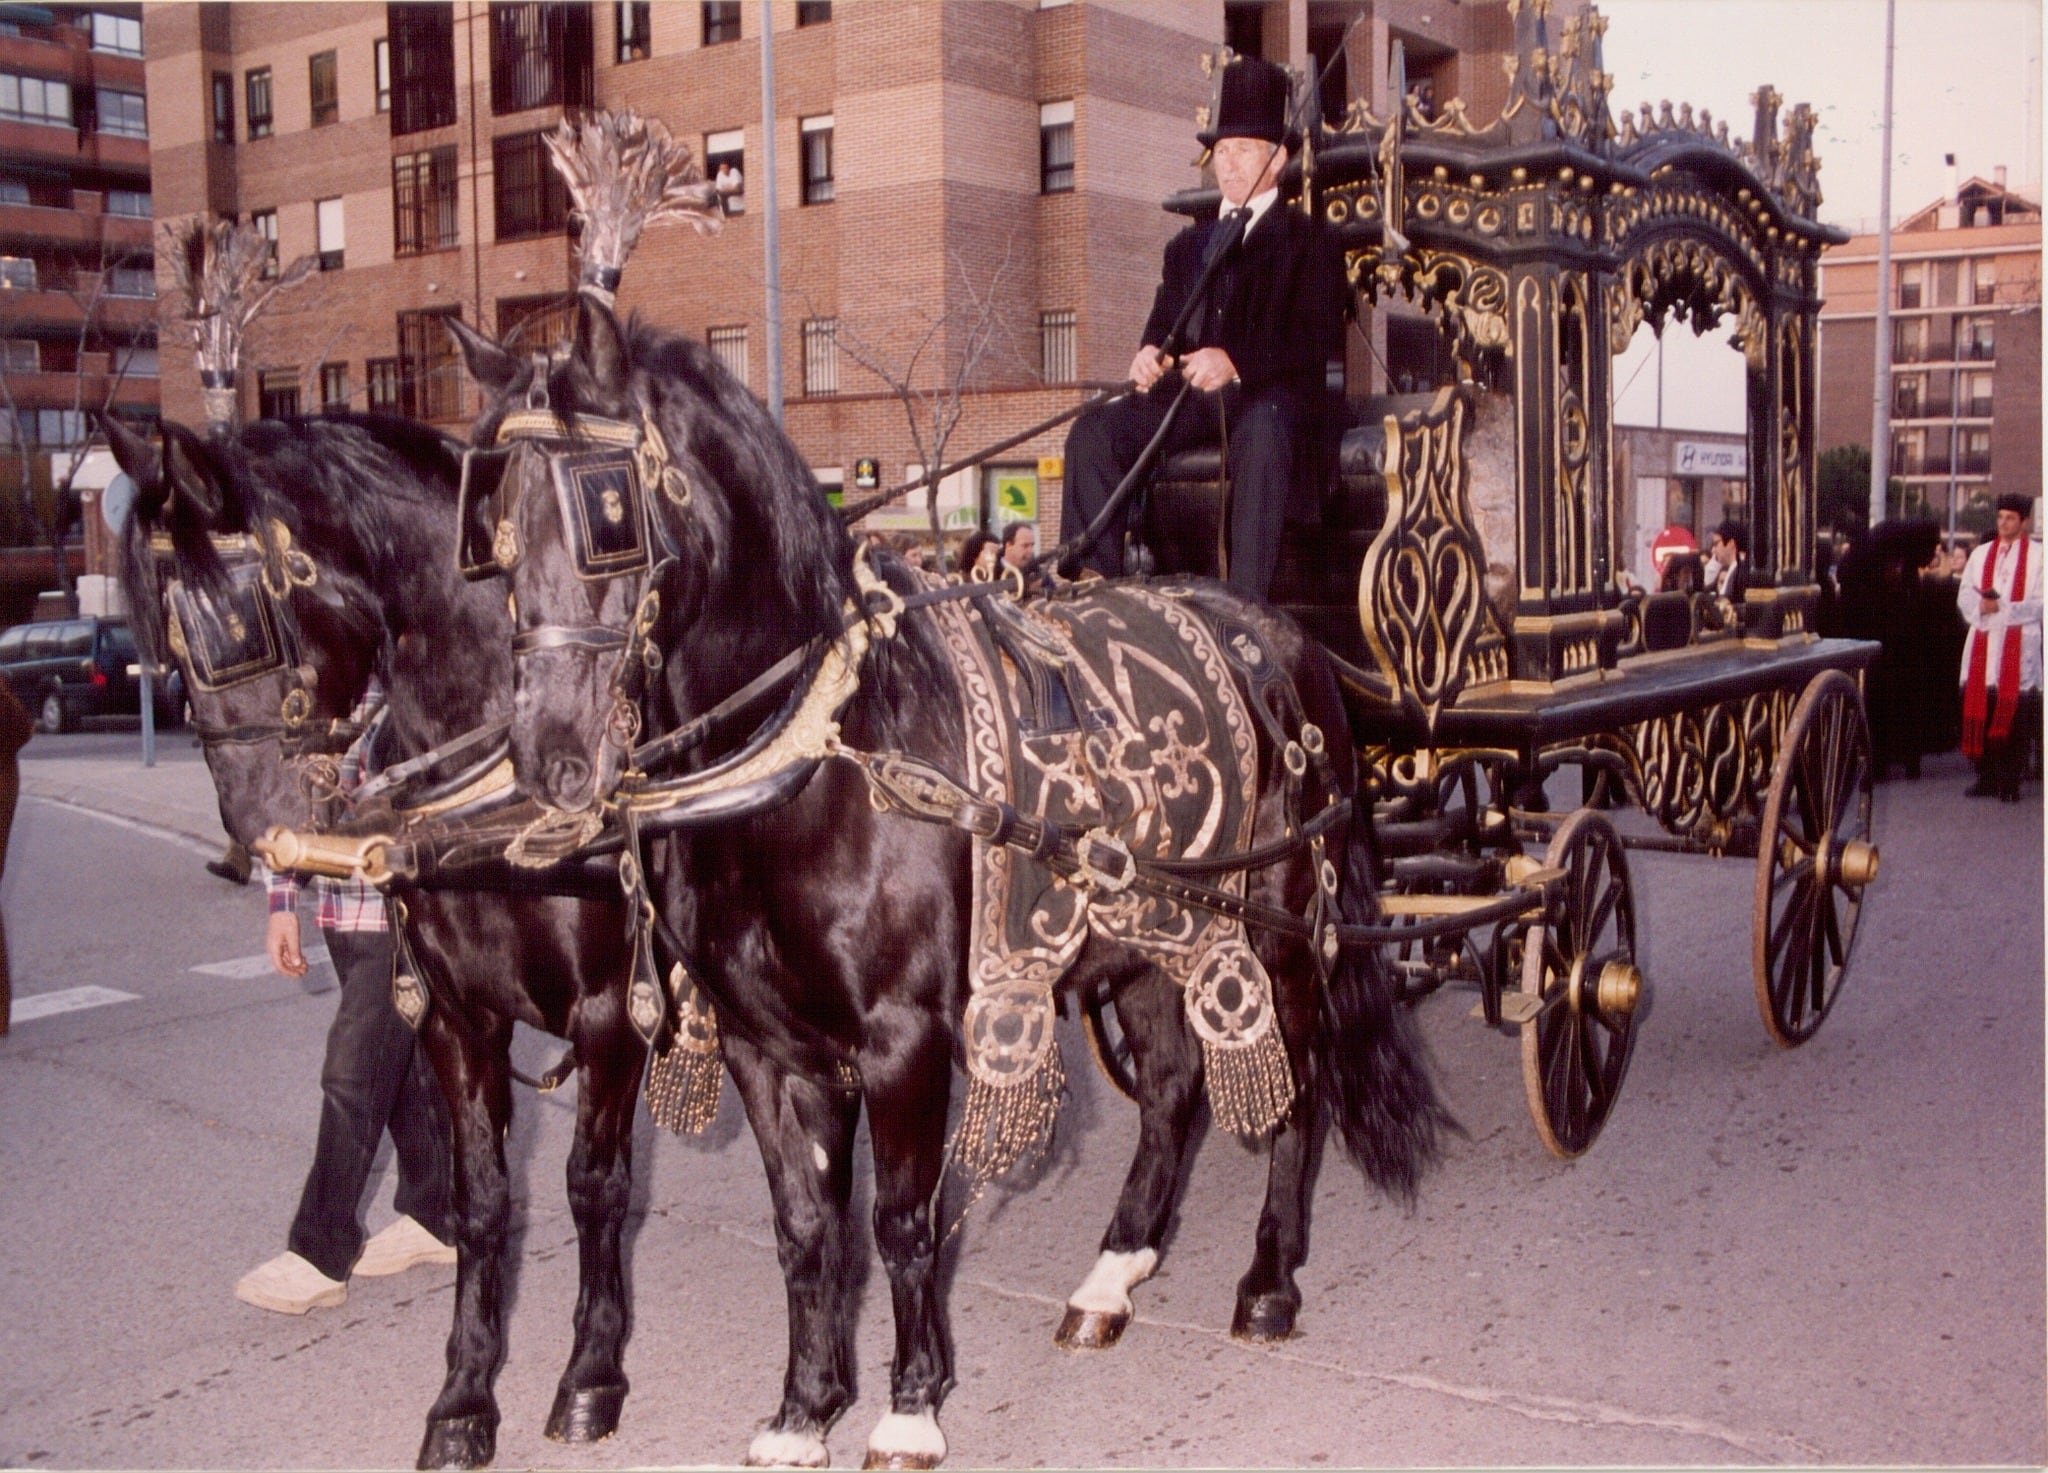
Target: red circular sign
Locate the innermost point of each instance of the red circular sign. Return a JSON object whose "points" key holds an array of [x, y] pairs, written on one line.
{"points": [[1673, 538]]}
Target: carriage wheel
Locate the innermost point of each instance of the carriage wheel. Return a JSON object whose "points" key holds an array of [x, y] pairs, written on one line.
{"points": [[1816, 853], [1578, 964], [1107, 1042]]}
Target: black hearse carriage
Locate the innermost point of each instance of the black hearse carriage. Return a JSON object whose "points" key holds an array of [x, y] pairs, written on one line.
{"points": [[1462, 561]]}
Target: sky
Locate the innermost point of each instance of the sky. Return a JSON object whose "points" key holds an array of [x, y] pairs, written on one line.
{"points": [[1966, 80]]}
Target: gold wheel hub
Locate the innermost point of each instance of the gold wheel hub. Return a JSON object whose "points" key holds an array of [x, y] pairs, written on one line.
{"points": [[1857, 864]]}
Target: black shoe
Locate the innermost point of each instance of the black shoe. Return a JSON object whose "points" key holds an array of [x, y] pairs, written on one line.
{"points": [[233, 865], [1980, 789], [2010, 796]]}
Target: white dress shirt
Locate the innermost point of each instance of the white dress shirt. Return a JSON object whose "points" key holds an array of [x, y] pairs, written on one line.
{"points": [[2019, 609]]}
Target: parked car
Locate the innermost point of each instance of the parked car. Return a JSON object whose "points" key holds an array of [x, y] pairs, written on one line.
{"points": [[66, 671]]}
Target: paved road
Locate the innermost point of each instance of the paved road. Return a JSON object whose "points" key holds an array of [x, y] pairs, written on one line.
{"points": [[1833, 1255]]}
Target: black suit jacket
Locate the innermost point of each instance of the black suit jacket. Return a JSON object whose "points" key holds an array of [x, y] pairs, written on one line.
{"points": [[1276, 306]]}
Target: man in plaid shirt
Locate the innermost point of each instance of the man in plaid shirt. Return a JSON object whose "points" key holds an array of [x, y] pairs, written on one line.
{"points": [[374, 1079]]}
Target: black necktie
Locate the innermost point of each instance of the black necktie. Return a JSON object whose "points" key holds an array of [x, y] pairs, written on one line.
{"points": [[1221, 232]]}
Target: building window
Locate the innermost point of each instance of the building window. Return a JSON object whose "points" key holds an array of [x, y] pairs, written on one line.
{"points": [[813, 12], [721, 21], [816, 135], [381, 383], [18, 273], [380, 68], [1975, 453], [265, 222], [277, 393], [258, 89], [1983, 283], [132, 281], [634, 30], [422, 43], [1912, 277], [529, 195], [1057, 356], [135, 204], [729, 347], [333, 386], [324, 88], [120, 34], [329, 233], [1977, 395], [20, 355], [423, 200], [123, 114], [1055, 147], [136, 362], [540, 56], [821, 355], [1975, 340], [725, 163], [35, 100], [429, 367], [14, 192], [223, 107], [1906, 392], [536, 324]]}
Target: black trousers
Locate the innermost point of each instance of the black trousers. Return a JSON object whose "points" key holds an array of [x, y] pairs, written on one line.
{"points": [[2004, 764], [374, 1079], [1267, 433]]}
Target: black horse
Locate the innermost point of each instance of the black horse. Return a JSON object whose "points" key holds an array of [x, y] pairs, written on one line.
{"points": [[834, 936], [308, 553]]}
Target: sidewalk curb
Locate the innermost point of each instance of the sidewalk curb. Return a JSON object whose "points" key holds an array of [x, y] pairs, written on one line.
{"points": [[169, 817]]}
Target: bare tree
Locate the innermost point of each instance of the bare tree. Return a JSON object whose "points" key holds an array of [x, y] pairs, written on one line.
{"points": [[947, 357], [93, 388]]}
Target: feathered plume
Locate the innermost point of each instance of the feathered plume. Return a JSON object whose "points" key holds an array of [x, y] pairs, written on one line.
{"points": [[625, 173], [219, 269]]}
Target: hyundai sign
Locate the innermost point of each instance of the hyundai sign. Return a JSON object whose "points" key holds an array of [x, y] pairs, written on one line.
{"points": [[1695, 458]]}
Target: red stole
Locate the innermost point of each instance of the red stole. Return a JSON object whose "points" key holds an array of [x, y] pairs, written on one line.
{"points": [[1975, 705]]}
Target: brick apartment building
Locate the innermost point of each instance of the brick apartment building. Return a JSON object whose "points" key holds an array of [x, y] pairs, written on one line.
{"points": [[1965, 400], [77, 288], [937, 166]]}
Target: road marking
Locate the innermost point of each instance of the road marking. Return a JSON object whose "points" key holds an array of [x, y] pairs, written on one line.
{"points": [[134, 825], [68, 1000], [242, 968]]}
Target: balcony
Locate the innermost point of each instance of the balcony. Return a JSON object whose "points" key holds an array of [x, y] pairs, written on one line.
{"points": [[52, 389], [129, 234], [39, 143], [50, 307]]}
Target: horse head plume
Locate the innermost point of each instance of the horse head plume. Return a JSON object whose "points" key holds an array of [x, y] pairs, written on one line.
{"points": [[624, 173], [225, 278]]}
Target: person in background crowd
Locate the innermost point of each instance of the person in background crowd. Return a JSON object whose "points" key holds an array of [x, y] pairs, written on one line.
{"points": [[375, 1078], [1682, 574], [1908, 690], [2000, 598], [1730, 580], [977, 558], [16, 727], [1020, 546], [1271, 320]]}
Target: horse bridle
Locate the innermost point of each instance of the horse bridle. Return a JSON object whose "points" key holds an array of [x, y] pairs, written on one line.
{"points": [[224, 645], [601, 470]]}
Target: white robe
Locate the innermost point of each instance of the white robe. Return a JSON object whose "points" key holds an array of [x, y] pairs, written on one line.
{"points": [[2022, 611]]}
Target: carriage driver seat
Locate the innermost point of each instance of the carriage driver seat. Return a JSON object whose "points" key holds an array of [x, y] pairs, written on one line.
{"points": [[1338, 505]]}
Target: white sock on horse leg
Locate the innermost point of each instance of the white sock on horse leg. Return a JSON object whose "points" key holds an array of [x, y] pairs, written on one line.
{"points": [[1107, 1289]]}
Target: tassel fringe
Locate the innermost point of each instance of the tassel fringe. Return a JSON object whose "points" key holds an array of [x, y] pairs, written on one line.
{"points": [[683, 1088], [1003, 1125], [1251, 1086], [220, 289]]}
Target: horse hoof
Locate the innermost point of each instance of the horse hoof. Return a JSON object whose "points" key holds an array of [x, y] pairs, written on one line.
{"points": [[460, 1442], [587, 1414], [1265, 1317], [1090, 1329], [879, 1459]]}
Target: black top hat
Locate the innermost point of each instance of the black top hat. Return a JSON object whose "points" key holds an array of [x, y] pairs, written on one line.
{"points": [[1252, 101], [2013, 501]]}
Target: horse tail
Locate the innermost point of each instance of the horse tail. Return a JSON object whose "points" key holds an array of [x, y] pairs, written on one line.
{"points": [[1375, 1069]]}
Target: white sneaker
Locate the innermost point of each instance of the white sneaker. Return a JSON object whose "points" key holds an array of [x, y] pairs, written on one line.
{"points": [[288, 1284], [400, 1246]]}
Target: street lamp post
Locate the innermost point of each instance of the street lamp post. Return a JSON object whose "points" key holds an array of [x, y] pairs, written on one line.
{"points": [[1881, 390]]}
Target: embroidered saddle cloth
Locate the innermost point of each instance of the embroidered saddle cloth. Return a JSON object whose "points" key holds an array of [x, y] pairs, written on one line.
{"points": [[1117, 712]]}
